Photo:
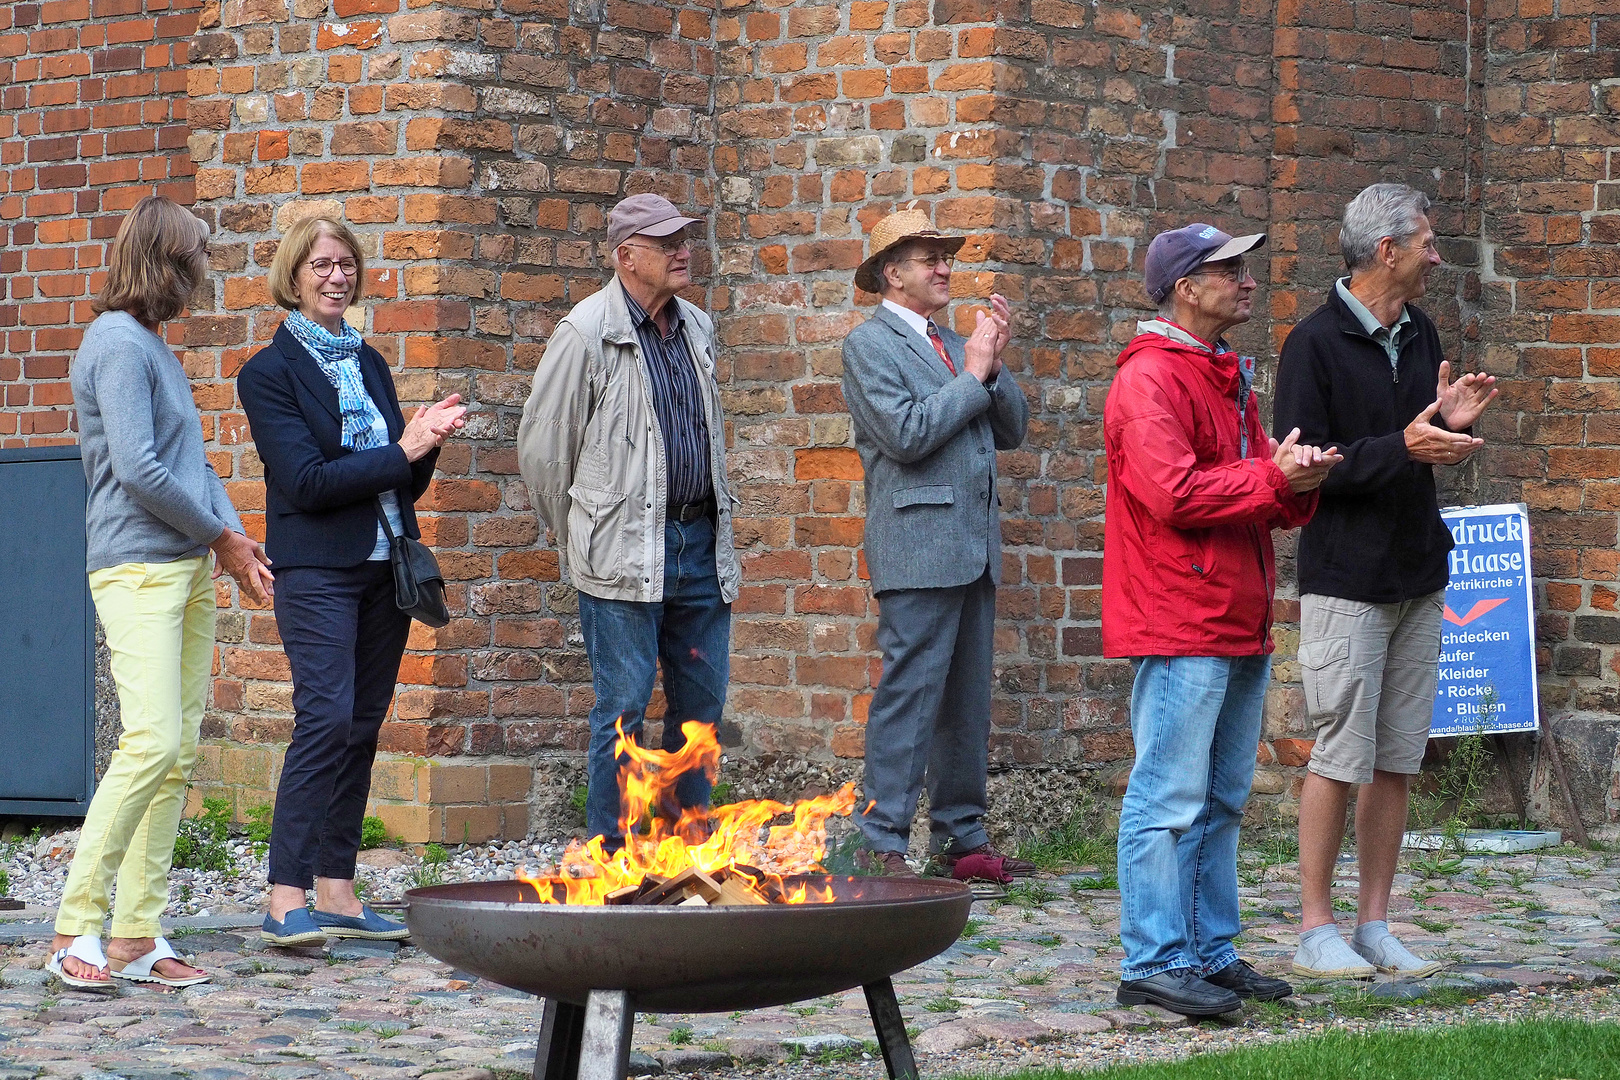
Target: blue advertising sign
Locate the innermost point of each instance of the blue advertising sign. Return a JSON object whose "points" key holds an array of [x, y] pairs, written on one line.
{"points": [[1488, 638]]}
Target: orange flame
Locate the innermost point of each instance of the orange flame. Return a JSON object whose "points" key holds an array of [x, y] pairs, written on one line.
{"points": [[709, 839]]}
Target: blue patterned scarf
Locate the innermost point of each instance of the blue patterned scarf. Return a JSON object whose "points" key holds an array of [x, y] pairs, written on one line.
{"points": [[339, 360]]}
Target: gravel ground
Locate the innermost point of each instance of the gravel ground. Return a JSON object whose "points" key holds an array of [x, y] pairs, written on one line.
{"points": [[1030, 983], [37, 868]]}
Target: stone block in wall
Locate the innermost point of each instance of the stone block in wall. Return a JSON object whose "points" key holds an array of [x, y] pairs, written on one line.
{"points": [[109, 728], [1588, 742]]}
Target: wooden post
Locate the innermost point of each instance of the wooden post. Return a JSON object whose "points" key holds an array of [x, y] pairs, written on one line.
{"points": [[1556, 760], [1514, 782]]}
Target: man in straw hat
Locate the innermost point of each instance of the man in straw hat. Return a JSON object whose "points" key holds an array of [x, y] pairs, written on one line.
{"points": [[622, 446], [1194, 490], [930, 409]]}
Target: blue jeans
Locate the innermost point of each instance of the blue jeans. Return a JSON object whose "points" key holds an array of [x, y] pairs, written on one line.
{"points": [[1196, 723], [690, 631]]}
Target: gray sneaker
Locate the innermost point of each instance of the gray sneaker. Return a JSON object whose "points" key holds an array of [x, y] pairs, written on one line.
{"points": [[1389, 956], [1327, 956]]}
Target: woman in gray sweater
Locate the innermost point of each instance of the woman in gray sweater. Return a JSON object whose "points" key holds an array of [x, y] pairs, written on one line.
{"points": [[155, 510]]}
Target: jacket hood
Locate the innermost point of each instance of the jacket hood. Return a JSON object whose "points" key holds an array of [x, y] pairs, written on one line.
{"points": [[1223, 367]]}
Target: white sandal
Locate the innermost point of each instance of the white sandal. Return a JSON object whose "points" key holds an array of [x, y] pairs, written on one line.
{"points": [[87, 949], [141, 969]]}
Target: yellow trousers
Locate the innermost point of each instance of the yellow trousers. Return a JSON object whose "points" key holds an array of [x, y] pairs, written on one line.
{"points": [[159, 619]]}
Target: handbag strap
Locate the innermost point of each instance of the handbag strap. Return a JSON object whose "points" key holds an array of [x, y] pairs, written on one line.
{"points": [[382, 516]]}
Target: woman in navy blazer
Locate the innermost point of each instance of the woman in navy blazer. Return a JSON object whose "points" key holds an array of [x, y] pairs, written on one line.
{"points": [[338, 457]]}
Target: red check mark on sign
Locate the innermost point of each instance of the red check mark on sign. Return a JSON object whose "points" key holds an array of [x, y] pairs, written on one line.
{"points": [[1480, 607]]}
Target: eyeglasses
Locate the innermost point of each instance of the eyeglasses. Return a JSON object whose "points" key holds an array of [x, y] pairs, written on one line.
{"points": [[933, 262], [670, 248], [1236, 273], [323, 267]]}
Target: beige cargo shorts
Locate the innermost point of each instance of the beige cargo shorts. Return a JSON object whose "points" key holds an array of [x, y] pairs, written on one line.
{"points": [[1370, 672]]}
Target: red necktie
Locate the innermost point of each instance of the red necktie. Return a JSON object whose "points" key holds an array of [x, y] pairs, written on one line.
{"points": [[939, 345]]}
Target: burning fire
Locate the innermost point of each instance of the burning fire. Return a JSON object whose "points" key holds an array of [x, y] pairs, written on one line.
{"points": [[736, 842]]}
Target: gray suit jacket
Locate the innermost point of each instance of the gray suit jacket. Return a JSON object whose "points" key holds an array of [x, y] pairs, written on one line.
{"points": [[928, 442]]}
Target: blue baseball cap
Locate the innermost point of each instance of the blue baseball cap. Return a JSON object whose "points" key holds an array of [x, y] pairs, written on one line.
{"points": [[1175, 254]]}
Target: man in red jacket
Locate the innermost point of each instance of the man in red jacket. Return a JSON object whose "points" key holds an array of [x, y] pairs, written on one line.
{"points": [[1194, 489]]}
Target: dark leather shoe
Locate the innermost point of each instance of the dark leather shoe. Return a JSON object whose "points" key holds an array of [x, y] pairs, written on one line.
{"points": [[887, 864], [1180, 991], [1246, 982]]}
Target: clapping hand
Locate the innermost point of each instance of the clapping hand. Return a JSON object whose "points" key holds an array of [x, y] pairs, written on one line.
{"points": [[1462, 401], [1001, 315], [1437, 446], [980, 351], [1304, 466], [431, 425]]}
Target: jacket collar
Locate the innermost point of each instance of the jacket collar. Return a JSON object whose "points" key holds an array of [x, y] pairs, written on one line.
{"points": [[1180, 335], [619, 323], [308, 371], [919, 344], [1232, 373], [1350, 322]]}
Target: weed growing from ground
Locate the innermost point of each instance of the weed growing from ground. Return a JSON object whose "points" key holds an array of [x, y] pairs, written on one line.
{"points": [[257, 829], [373, 832], [203, 842], [1082, 839]]}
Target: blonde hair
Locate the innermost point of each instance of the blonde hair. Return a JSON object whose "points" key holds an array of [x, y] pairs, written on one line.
{"points": [[157, 260], [295, 248]]}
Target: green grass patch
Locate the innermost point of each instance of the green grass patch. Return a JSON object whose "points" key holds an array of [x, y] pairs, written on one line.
{"points": [[1082, 840], [1030, 894], [1523, 1050]]}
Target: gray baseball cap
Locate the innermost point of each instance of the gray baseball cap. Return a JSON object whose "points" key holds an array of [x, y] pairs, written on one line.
{"points": [[649, 214], [1175, 254]]}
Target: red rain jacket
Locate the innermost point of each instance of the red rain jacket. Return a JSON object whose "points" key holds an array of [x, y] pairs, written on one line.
{"points": [[1187, 560]]}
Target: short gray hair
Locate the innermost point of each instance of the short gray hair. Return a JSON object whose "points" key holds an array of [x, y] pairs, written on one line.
{"points": [[893, 257], [1381, 210]]}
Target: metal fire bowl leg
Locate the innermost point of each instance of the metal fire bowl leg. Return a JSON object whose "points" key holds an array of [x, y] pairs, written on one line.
{"points": [[691, 959], [586, 1042], [562, 1029], [891, 1030]]}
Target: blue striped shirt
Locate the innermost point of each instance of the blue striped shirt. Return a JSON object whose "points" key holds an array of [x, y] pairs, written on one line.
{"points": [[677, 401]]}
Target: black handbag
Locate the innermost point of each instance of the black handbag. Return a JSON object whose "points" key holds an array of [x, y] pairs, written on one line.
{"points": [[418, 583]]}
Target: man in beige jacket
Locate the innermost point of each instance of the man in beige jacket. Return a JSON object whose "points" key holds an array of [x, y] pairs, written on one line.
{"points": [[622, 446]]}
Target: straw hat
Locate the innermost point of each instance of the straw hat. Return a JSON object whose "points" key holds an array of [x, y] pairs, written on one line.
{"points": [[896, 229]]}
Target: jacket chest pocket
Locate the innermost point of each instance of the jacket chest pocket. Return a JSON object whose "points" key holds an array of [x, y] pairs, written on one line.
{"points": [[609, 440], [928, 495], [1208, 436]]}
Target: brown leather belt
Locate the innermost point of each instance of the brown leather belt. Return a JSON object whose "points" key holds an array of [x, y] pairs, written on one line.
{"points": [[689, 512]]}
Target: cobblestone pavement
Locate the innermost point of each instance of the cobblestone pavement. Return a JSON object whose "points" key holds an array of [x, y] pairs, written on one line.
{"points": [[1030, 982]]}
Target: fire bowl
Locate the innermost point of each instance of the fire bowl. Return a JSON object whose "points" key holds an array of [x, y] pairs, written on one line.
{"points": [[691, 959]]}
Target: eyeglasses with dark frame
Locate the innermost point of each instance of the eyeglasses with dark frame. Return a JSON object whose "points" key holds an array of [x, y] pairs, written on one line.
{"points": [[322, 268], [933, 260]]}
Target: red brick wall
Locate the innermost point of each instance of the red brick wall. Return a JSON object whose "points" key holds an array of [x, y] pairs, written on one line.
{"points": [[476, 151], [475, 154], [92, 118], [1366, 93], [1551, 218]]}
